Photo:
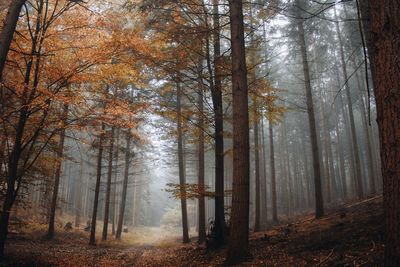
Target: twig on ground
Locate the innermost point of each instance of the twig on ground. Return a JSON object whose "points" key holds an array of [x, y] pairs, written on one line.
{"points": [[324, 260]]}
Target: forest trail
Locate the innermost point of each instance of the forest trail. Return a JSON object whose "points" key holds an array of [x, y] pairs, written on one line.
{"points": [[348, 236]]}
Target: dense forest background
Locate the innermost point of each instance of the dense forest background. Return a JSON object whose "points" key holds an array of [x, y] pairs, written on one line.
{"points": [[201, 118]]}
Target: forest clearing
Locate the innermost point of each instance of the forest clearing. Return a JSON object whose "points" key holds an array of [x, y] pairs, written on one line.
{"points": [[350, 236], [200, 133]]}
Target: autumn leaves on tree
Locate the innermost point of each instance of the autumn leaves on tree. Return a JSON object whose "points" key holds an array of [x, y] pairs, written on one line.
{"points": [[55, 81], [93, 71]]}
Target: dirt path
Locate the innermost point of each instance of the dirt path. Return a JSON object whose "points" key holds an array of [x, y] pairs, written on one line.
{"points": [[349, 236]]}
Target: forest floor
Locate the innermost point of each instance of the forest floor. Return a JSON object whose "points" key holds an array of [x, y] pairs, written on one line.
{"points": [[348, 236]]}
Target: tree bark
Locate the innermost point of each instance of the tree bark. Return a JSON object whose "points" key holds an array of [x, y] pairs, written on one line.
{"points": [[263, 185], [354, 141], [92, 240], [114, 188], [78, 188], [8, 30], [367, 130], [200, 181], [257, 223], [384, 48], [108, 189], [182, 182], [57, 174], [124, 186], [219, 224], [319, 203], [273, 178], [238, 247]]}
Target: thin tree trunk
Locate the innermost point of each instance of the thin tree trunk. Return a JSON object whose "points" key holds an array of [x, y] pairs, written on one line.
{"points": [[219, 224], [354, 142], [92, 240], [57, 174], [367, 130], [124, 186], [263, 186], [319, 203], [239, 231], [384, 48], [108, 189], [201, 200], [182, 182], [257, 222], [273, 178], [78, 188], [114, 191]]}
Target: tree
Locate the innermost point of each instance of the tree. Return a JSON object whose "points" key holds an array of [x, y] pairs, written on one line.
{"points": [[384, 49], [8, 30], [354, 141], [57, 174], [31, 101], [239, 231], [216, 92], [273, 177], [185, 228], [319, 203], [200, 181], [92, 240], [124, 185], [108, 189]]}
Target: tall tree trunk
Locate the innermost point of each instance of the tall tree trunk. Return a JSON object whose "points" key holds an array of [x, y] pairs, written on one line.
{"points": [[273, 178], [219, 224], [78, 189], [319, 203], [108, 189], [384, 48], [257, 223], [340, 155], [354, 142], [57, 174], [124, 186], [114, 188], [252, 80], [7, 32], [239, 231], [12, 179], [15, 156], [367, 130], [182, 182], [92, 240], [200, 181], [263, 185]]}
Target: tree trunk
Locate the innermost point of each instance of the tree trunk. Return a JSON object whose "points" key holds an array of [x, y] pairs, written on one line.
{"points": [[114, 191], [257, 223], [239, 231], [384, 48], [108, 189], [354, 142], [124, 186], [92, 240], [182, 182], [273, 178], [57, 174], [78, 188], [219, 223], [367, 130], [200, 181], [263, 185], [319, 203], [7, 32]]}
